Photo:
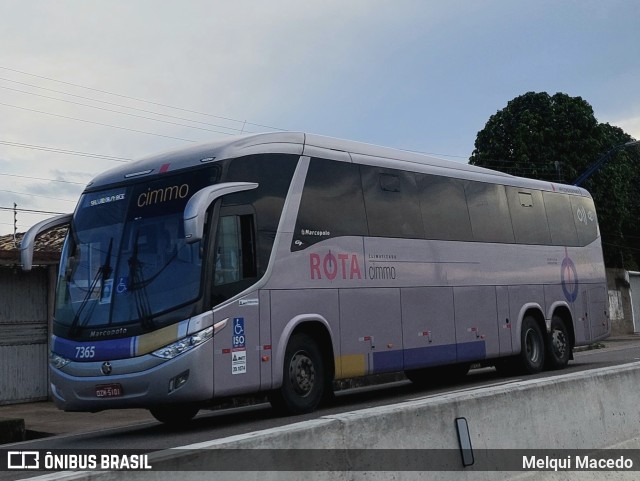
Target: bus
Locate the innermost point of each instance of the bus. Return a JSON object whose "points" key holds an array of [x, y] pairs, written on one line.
{"points": [[278, 263]]}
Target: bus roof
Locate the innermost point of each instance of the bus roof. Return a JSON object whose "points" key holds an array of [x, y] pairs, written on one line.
{"points": [[300, 143]]}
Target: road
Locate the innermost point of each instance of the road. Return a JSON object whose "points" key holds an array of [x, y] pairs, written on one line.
{"points": [[218, 424], [211, 425]]}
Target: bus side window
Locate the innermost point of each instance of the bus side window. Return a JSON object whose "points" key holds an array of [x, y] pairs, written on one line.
{"points": [[584, 217], [560, 217], [332, 204], [489, 212], [391, 202], [528, 216], [444, 208]]}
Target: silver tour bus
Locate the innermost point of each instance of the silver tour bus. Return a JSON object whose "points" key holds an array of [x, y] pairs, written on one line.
{"points": [[281, 262]]}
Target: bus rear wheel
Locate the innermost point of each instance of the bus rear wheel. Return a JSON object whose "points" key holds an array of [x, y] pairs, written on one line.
{"points": [[174, 415], [532, 346], [558, 345], [304, 378]]}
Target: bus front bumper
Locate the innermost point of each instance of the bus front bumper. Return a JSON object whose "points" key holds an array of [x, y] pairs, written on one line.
{"points": [[134, 383]]}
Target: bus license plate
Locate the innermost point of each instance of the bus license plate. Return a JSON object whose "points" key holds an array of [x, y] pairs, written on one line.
{"points": [[109, 390]]}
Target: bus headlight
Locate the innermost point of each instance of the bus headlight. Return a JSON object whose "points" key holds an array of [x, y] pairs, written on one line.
{"points": [[58, 361], [184, 345]]}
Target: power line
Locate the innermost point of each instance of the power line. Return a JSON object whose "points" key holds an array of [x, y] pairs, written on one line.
{"points": [[30, 211], [37, 195], [117, 105], [140, 100], [434, 153], [239, 130], [64, 151], [96, 123], [121, 113], [40, 178]]}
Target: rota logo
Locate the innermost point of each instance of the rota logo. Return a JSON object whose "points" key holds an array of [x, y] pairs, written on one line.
{"points": [[331, 266]]}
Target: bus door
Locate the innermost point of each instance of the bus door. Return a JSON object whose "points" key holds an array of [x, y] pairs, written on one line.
{"points": [[505, 326], [370, 331], [236, 346], [428, 328], [596, 311], [476, 323]]}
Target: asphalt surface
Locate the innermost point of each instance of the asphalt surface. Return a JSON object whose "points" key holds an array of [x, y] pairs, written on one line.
{"points": [[43, 419]]}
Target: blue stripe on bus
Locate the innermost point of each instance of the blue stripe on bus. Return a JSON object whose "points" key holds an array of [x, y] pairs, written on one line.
{"points": [[429, 356], [388, 361], [471, 351], [93, 350], [419, 357]]}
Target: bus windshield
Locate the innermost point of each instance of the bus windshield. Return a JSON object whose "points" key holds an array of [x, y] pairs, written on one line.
{"points": [[126, 259]]}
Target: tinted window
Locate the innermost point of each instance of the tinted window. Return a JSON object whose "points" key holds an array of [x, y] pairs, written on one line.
{"points": [[235, 255], [489, 213], [391, 201], [273, 173], [528, 216], [584, 216], [560, 218], [444, 208], [331, 204]]}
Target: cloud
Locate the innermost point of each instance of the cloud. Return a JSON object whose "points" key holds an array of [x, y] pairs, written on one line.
{"points": [[630, 125], [417, 74]]}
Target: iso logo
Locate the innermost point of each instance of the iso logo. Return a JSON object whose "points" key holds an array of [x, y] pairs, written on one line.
{"points": [[23, 460]]}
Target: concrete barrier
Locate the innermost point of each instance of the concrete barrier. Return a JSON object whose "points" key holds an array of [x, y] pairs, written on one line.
{"points": [[586, 410]]}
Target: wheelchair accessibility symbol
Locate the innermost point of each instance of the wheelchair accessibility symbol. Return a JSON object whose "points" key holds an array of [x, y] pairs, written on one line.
{"points": [[238, 326], [238, 333], [121, 287]]}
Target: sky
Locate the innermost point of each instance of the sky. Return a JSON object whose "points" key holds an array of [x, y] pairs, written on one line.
{"points": [[86, 86]]}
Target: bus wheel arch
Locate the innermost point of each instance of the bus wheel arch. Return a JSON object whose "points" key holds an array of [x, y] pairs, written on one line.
{"points": [[560, 339], [307, 369]]}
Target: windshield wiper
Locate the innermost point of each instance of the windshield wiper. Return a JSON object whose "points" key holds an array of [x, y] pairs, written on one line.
{"points": [[138, 285], [103, 273]]}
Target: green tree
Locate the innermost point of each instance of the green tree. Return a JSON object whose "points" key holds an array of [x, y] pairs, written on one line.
{"points": [[556, 138]]}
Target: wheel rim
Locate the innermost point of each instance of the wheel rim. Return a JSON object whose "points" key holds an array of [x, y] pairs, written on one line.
{"points": [[559, 343], [302, 373], [532, 346]]}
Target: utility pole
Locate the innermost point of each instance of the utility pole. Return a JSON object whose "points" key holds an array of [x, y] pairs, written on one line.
{"points": [[15, 224], [604, 158]]}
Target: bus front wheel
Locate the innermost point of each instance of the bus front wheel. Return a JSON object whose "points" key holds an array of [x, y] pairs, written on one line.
{"points": [[304, 378]]}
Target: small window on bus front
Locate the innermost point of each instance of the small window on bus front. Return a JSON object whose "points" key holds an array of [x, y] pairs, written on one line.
{"points": [[273, 174], [235, 255]]}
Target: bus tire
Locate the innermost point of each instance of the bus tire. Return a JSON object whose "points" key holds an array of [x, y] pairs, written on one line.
{"points": [[304, 379], [558, 345], [174, 414], [532, 346]]}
